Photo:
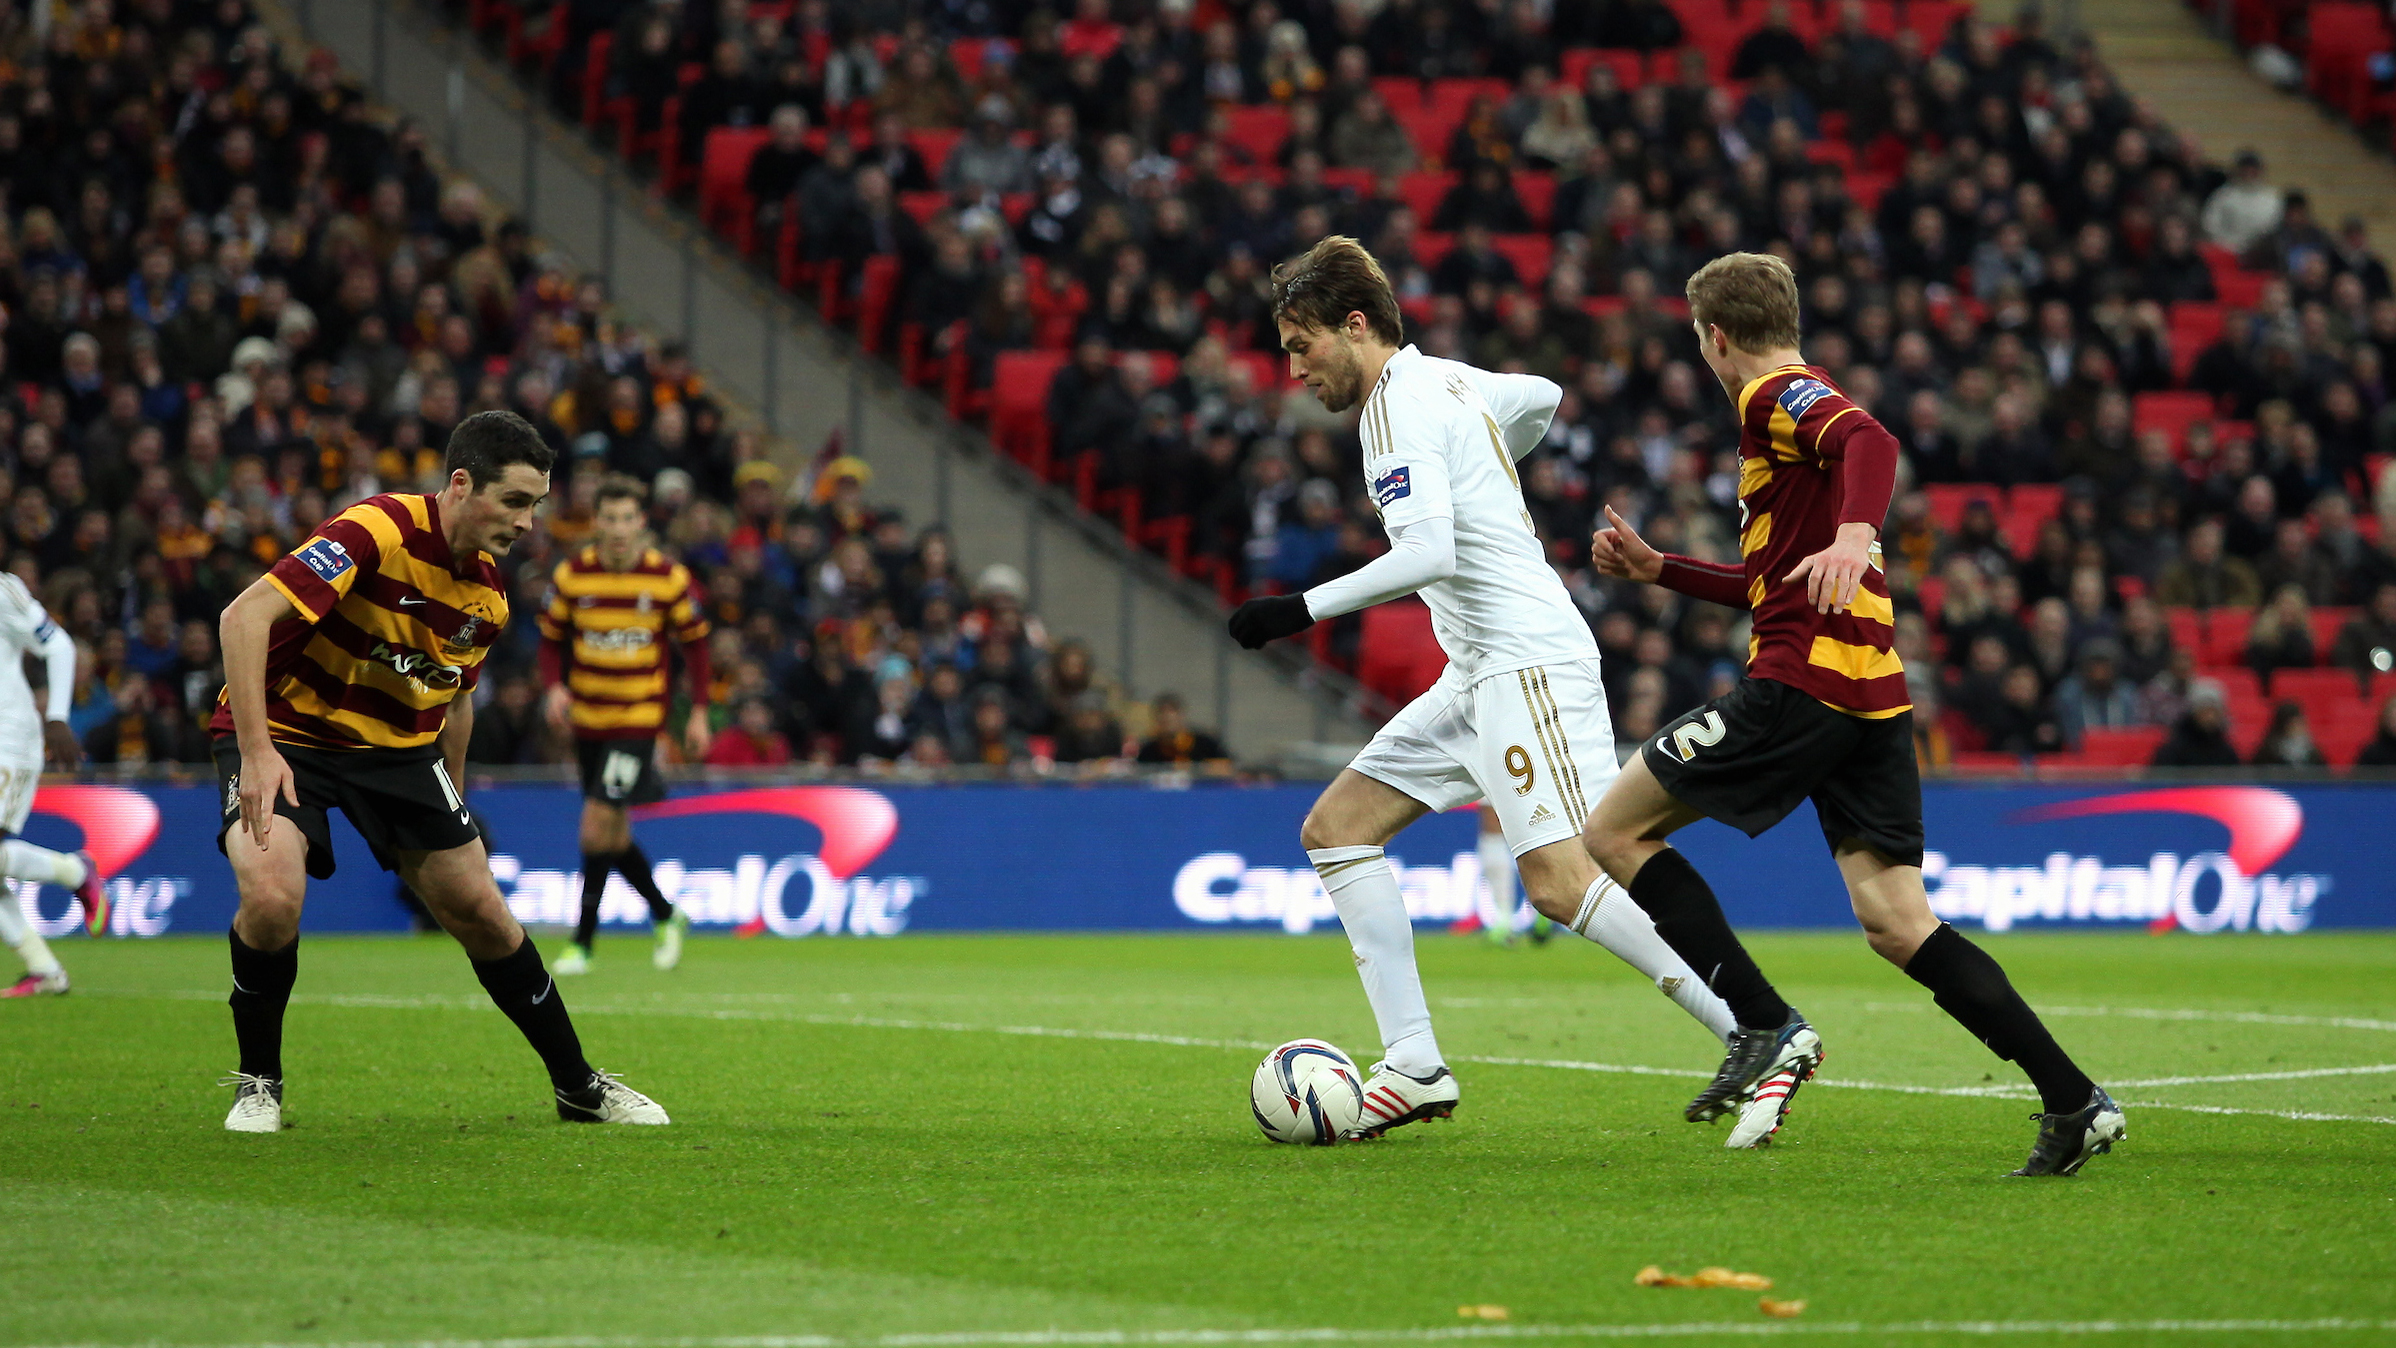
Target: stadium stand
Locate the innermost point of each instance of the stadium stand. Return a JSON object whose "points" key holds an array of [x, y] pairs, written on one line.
{"points": [[2143, 397], [238, 299]]}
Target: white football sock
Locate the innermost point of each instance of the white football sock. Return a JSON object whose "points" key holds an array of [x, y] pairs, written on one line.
{"points": [[1365, 892], [21, 860], [22, 938], [1608, 917], [1497, 872]]}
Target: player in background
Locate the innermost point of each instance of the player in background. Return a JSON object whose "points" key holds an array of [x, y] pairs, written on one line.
{"points": [[25, 628], [1517, 718], [612, 608], [1822, 714], [349, 680], [1499, 902]]}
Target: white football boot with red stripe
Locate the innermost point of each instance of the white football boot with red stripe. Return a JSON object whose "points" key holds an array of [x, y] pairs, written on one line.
{"points": [[1762, 1113], [1392, 1099]]}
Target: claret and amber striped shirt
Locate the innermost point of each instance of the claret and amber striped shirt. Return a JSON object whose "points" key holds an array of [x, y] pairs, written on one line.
{"points": [[604, 635], [392, 625], [1809, 461]]}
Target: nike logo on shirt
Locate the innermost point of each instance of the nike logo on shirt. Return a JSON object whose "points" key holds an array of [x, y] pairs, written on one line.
{"points": [[409, 601]]}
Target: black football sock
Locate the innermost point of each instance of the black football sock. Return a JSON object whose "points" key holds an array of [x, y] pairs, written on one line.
{"points": [[521, 986], [1968, 984], [262, 982], [1690, 920], [594, 883], [635, 864]]}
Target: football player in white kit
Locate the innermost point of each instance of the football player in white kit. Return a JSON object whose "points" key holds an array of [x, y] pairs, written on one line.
{"points": [[1517, 719], [24, 736]]}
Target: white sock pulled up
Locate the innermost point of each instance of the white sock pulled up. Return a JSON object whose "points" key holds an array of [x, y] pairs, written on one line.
{"points": [[1365, 892], [1497, 872], [20, 936]]}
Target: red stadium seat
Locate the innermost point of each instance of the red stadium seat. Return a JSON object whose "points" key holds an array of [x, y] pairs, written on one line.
{"points": [[2187, 629], [1947, 500], [2171, 411], [724, 204], [2035, 502], [1423, 193], [2225, 637], [2130, 746], [1530, 254], [1538, 194], [2317, 688], [1930, 19], [1630, 67], [1258, 130], [2327, 623], [1019, 403], [2343, 731], [922, 206], [2237, 681], [934, 143], [1398, 656]]}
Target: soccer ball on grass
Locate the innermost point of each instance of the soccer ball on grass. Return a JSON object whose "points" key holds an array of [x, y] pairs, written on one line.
{"points": [[1307, 1092]]}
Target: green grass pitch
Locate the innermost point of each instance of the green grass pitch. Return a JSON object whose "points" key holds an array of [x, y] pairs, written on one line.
{"points": [[999, 1140]]}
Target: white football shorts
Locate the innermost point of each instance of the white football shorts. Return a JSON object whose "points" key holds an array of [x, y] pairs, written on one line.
{"points": [[18, 781], [1536, 743]]}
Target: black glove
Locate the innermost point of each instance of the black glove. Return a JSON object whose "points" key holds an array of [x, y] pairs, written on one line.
{"points": [[1269, 618]]}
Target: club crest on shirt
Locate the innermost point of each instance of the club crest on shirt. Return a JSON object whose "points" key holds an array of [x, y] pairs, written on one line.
{"points": [[326, 558], [462, 641], [1390, 486], [1800, 395]]}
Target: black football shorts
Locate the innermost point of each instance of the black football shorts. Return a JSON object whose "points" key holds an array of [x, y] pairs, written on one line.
{"points": [[1749, 756], [620, 772], [399, 800]]}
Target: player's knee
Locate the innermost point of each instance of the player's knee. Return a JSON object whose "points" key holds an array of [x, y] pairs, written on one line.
{"points": [[1321, 831], [270, 909]]}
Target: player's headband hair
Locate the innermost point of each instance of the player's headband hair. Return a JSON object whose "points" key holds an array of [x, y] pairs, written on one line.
{"points": [[1752, 297], [1337, 277]]}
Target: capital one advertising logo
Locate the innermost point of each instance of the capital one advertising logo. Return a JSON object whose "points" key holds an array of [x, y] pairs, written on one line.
{"points": [[1221, 887], [789, 893], [2202, 890], [118, 825]]}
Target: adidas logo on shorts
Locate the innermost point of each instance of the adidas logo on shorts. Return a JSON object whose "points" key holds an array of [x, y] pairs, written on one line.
{"points": [[1542, 815]]}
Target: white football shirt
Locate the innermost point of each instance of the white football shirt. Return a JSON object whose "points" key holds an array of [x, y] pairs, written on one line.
{"points": [[1440, 441], [26, 629]]}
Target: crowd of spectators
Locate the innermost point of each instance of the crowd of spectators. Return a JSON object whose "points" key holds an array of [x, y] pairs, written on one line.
{"points": [[235, 299], [2001, 253]]}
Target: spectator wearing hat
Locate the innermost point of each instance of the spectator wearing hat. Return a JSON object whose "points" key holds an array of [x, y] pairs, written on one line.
{"points": [[2095, 695], [2201, 739], [987, 162], [2244, 209]]}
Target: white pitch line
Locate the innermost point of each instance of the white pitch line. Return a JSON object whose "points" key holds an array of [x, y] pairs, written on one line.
{"points": [[2376, 1069], [2166, 1013], [436, 1002], [1177, 1338]]}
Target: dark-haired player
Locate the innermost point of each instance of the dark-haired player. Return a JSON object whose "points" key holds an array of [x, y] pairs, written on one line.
{"points": [[613, 607], [1822, 715], [349, 669], [1518, 717]]}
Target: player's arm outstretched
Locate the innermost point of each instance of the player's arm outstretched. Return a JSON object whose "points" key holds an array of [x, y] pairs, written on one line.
{"points": [[1620, 552], [1411, 486]]}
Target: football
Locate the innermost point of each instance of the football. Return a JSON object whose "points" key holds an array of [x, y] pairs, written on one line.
{"points": [[1307, 1092]]}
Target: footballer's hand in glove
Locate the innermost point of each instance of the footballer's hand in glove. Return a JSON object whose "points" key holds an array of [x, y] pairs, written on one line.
{"points": [[1269, 618]]}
